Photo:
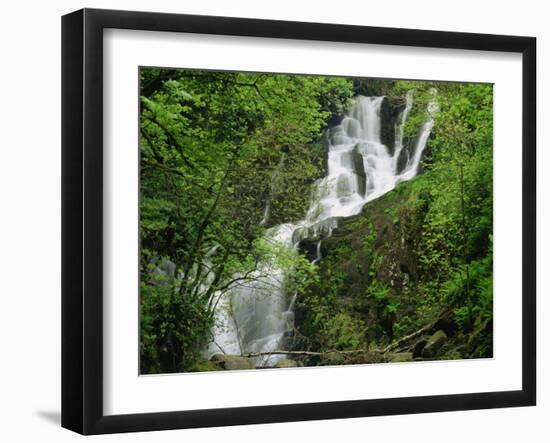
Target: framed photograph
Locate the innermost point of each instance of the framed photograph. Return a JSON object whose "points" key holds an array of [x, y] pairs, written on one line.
{"points": [[269, 221]]}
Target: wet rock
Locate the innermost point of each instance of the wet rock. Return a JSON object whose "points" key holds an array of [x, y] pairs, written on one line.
{"points": [[206, 366], [316, 231], [388, 116], [231, 362], [309, 248], [419, 347], [404, 156], [359, 169], [287, 363]]}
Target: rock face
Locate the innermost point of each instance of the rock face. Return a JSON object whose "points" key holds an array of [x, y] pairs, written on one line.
{"points": [[379, 243], [309, 248], [434, 344], [405, 155], [232, 362], [354, 161], [389, 114], [371, 273], [389, 111]]}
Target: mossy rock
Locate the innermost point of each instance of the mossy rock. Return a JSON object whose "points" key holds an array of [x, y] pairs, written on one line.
{"points": [[399, 357], [286, 363], [231, 362], [419, 347], [205, 366], [453, 354], [434, 344]]}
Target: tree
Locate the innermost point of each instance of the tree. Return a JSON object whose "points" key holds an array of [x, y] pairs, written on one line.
{"points": [[210, 143]]}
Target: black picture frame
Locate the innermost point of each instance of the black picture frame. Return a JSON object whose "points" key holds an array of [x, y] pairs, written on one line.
{"points": [[82, 219]]}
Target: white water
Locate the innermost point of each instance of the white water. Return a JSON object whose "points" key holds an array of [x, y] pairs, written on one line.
{"points": [[255, 316], [400, 129]]}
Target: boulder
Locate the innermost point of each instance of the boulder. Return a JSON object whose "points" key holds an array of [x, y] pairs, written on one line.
{"points": [[399, 357], [206, 366], [286, 363], [232, 362], [434, 344], [419, 347], [453, 354]]}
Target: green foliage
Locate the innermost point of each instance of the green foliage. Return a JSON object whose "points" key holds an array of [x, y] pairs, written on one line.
{"points": [[225, 156], [211, 145], [455, 251], [174, 329], [425, 248], [343, 332]]}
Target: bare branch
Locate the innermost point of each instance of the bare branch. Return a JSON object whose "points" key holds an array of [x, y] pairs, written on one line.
{"points": [[306, 353]]}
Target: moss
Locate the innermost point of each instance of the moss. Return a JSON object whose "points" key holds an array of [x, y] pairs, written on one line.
{"points": [[370, 267], [367, 273], [399, 357], [301, 167], [205, 366]]}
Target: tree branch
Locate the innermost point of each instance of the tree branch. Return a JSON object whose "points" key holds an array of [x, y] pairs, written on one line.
{"points": [[306, 353]]}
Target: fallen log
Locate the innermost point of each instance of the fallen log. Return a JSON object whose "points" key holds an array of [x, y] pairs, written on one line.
{"points": [[389, 348], [407, 338], [305, 353]]}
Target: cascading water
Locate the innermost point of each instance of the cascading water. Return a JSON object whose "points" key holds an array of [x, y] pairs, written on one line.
{"points": [[400, 129], [254, 316]]}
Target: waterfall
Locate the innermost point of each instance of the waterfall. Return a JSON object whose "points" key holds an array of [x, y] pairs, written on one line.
{"points": [[256, 315], [318, 255], [400, 129]]}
